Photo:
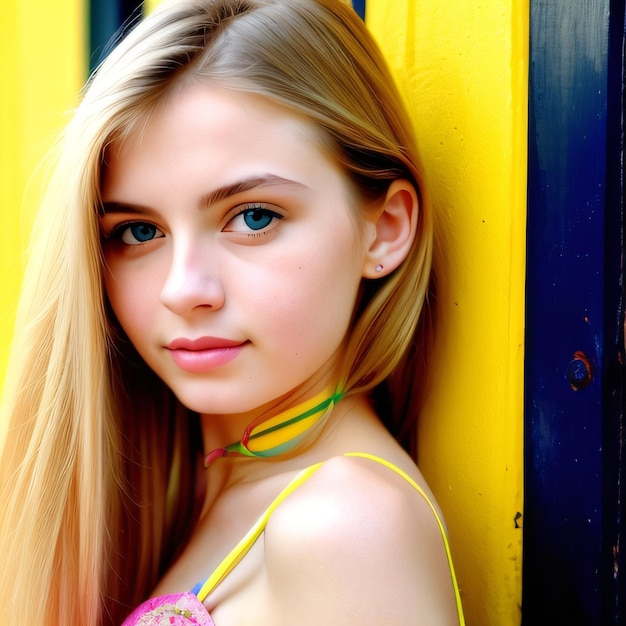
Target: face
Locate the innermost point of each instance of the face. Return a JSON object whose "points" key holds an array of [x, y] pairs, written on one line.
{"points": [[233, 249]]}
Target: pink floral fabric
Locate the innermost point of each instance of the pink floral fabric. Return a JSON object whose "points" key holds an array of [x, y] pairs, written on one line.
{"points": [[177, 609]]}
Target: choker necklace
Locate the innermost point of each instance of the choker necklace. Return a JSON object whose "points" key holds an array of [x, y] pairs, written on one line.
{"points": [[265, 438]]}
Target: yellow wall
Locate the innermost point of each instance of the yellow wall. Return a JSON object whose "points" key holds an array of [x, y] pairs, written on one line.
{"points": [[463, 66], [42, 67]]}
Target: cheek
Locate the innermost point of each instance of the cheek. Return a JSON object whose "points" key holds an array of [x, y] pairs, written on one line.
{"points": [[130, 297], [308, 299]]}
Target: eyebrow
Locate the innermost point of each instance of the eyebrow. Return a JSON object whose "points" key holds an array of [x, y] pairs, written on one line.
{"points": [[120, 207], [247, 184], [268, 180]]}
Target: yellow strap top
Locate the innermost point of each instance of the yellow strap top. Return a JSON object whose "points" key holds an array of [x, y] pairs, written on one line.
{"points": [[242, 548]]}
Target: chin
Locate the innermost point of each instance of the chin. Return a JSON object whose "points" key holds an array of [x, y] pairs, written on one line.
{"points": [[220, 404]]}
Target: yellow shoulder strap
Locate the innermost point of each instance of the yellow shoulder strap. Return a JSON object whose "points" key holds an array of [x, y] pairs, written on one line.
{"points": [[241, 549], [442, 528]]}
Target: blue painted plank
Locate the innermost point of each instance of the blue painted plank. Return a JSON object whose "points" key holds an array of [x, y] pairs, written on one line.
{"points": [[573, 293]]}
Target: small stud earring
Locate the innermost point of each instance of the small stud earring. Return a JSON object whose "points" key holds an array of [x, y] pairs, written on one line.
{"points": [[379, 268]]}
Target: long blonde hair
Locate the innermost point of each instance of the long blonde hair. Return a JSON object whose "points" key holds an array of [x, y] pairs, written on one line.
{"points": [[98, 473]]}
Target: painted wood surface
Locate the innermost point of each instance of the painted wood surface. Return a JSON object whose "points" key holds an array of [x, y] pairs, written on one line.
{"points": [[574, 357]]}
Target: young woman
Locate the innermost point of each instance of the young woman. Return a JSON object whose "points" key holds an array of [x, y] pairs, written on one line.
{"points": [[221, 337]]}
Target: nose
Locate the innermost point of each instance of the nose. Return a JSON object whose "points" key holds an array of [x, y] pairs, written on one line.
{"points": [[192, 281]]}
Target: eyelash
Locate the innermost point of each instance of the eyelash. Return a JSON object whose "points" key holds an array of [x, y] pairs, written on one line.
{"points": [[249, 210]]}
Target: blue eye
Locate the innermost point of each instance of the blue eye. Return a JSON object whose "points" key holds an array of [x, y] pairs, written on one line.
{"points": [[256, 219], [138, 232], [252, 218]]}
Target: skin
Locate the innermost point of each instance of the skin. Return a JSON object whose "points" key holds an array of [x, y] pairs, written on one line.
{"points": [[274, 267]]}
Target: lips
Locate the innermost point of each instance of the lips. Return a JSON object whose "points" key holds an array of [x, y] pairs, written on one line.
{"points": [[202, 343], [203, 354]]}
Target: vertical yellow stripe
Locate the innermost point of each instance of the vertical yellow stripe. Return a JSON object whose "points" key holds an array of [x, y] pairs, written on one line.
{"points": [[463, 67], [42, 65]]}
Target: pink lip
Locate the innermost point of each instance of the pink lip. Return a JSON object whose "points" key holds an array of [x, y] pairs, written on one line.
{"points": [[203, 354]]}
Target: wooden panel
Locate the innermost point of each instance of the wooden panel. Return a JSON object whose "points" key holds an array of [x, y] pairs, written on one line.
{"points": [[574, 479]]}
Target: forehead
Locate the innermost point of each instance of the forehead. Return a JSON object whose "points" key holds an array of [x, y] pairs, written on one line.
{"points": [[211, 136], [219, 120], [221, 128]]}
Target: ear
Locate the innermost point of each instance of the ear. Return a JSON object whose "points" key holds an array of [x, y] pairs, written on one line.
{"points": [[391, 230]]}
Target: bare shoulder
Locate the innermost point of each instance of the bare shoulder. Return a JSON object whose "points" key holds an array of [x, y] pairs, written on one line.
{"points": [[358, 542]]}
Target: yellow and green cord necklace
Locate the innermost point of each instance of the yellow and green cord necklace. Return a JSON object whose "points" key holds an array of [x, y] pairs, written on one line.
{"points": [[266, 438]]}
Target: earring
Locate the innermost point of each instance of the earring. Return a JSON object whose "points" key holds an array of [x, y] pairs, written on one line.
{"points": [[379, 268]]}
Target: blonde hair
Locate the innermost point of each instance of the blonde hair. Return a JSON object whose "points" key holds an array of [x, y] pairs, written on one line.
{"points": [[98, 473]]}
